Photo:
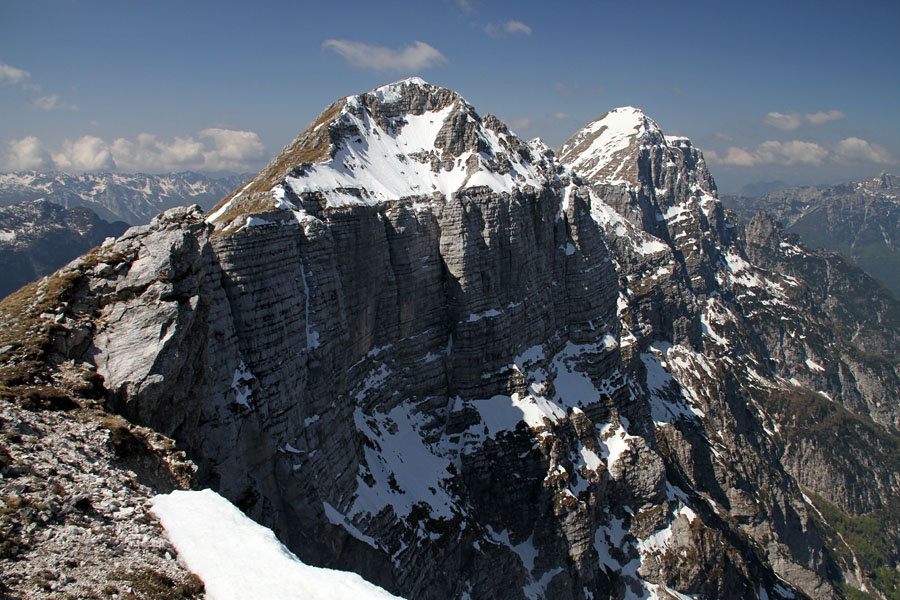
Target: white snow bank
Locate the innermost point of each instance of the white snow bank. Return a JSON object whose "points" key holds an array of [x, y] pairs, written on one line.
{"points": [[238, 559]]}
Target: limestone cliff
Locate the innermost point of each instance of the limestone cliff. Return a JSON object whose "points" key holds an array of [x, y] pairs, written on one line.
{"points": [[424, 350]]}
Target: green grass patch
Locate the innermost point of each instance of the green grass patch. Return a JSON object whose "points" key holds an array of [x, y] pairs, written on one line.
{"points": [[873, 540]]}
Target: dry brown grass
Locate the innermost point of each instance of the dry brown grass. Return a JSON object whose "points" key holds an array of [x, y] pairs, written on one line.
{"points": [[313, 145]]}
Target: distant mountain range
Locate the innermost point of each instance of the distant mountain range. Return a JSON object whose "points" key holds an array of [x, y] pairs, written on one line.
{"points": [[38, 236], [131, 197], [860, 219]]}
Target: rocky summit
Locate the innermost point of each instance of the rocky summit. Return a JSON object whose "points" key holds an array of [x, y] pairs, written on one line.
{"points": [[422, 349]]}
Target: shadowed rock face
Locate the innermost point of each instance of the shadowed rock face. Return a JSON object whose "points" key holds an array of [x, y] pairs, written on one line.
{"points": [[522, 382]]}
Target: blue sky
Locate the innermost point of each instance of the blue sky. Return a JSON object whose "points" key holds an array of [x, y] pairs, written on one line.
{"points": [[806, 92]]}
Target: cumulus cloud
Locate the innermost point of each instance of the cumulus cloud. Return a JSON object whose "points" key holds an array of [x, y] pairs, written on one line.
{"points": [[794, 120], [231, 149], [87, 153], [380, 58], [148, 153], [784, 121], [851, 150], [825, 116], [792, 153], [854, 149], [12, 75], [51, 103], [27, 154], [796, 152], [213, 149]]}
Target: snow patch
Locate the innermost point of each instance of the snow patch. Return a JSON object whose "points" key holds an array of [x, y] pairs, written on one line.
{"points": [[238, 559], [241, 385]]}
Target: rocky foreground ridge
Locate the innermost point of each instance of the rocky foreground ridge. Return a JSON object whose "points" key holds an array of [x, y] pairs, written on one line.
{"points": [[424, 350]]}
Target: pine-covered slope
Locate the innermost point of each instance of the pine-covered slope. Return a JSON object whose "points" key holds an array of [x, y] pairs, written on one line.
{"points": [[428, 352], [134, 198]]}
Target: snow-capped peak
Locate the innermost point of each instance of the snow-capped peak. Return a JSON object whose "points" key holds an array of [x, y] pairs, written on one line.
{"points": [[604, 147], [391, 92], [401, 140]]}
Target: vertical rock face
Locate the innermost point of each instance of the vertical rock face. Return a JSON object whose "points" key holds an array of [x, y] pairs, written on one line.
{"points": [[426, 351]]}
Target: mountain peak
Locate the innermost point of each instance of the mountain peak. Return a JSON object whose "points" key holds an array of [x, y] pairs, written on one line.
{"points": [[602, 149], [404, 139], [393, 91]]}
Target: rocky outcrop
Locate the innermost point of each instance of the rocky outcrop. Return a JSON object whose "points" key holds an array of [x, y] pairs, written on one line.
{"points": [[432, 354], [859, 219]]}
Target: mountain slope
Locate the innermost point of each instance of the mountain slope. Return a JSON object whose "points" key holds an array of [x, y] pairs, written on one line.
{"points": [[861, 220], [37, 237], [426, 351], [133, 198]]}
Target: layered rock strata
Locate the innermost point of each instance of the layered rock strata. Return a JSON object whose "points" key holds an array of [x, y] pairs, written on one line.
{"points": [[426, 351]]}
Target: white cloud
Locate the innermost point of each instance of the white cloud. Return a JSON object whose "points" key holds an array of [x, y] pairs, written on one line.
{"points": [[724, 136], [147, 153], [12, 75], [27, 154], [213, 149], [854, 149], [513, 27], [51, 103], [232, 149], [851, 150], [784, 121], [561, 116], [464, 5], [796, 152], [380, 58], [794, 120], [87, 153], [825, 116], [792, 153]]}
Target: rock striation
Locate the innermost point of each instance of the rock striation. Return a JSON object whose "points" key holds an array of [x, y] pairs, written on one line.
{"points": [[424, 350]]}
